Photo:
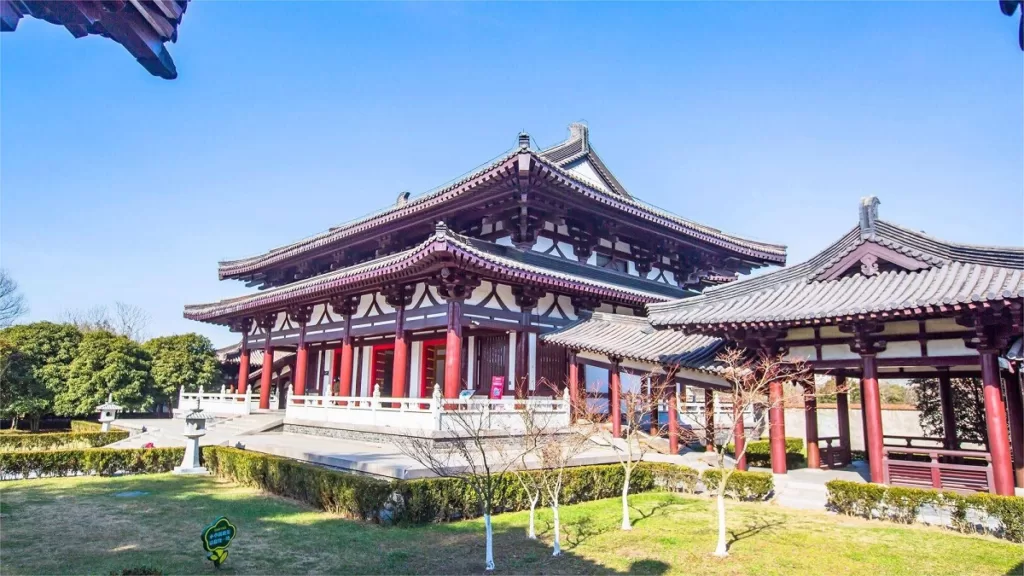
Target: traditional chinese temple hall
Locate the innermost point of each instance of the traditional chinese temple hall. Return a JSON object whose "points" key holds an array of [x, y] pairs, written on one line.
{"points": [[541, 277]]}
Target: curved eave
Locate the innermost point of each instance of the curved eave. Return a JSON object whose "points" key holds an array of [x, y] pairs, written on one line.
{"points": [[416, 262], [909, 313], [758, 252]]}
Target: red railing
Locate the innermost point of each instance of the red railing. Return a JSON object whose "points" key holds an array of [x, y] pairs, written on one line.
{"points": [[833, 454], [955, 470]]}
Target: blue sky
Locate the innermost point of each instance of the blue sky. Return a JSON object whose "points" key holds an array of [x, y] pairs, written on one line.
{"points": [[768, 120]]}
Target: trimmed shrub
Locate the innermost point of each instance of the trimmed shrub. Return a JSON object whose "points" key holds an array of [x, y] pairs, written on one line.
{"points": [[85, 426], [355, 496], [674, 478], [759, 453], [425, 500], [855, 498], [101, 461], [59, 440], [902, 505], [741, 485]]}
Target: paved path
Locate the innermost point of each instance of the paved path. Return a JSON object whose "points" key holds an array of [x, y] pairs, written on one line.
{"points": [[167, 432]]}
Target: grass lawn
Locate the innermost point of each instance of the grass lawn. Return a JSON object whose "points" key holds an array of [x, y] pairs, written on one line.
{"points": [[81, 525]]}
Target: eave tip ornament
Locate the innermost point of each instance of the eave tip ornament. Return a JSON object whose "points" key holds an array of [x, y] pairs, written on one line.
{"points": [[868, 215]]}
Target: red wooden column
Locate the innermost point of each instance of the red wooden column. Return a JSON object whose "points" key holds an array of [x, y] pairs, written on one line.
{"points": [[400, 366], [673, 422], [574, 386], [614, 403], [811, 427], [243, 326], [995, 420], [777, 427], [453, 350], [243, 367], [843, 414], [739, 435], [1015, 413], [949, 439], [301, 316], [871, 405], [709, 420], [346, 307], [266, 376]]}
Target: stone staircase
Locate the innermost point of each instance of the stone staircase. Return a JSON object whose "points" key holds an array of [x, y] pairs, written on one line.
{"points": [[803, 495], [167, 433]]}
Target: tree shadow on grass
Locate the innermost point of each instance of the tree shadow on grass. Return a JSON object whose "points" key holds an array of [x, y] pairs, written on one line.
{"points": [[753, 528], [658, 506], [1016, 570]]}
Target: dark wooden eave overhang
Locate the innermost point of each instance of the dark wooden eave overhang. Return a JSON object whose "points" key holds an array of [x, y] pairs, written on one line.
{"points": [[445, 248], [141, 26], [520, 163]]}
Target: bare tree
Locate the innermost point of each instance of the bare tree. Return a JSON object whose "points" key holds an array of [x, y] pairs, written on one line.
{"points": [[12, 302], [630, 449], [130, 321], [534, 435], [465, 456], [750, 382], [89, 319], [556, 451]]}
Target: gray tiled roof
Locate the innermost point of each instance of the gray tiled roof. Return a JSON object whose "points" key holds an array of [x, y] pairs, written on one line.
{"points": [[633, 337], [555, 159], [501, 261], [952, 274]]}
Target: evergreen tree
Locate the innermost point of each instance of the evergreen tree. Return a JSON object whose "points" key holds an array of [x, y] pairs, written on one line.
{"points": [[38, 358], [107, 364], [183, 360]]}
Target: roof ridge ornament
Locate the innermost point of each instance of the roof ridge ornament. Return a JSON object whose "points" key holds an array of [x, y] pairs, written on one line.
{"points": [[440, 229], [580, 131], [524, 140], [868, 215], [403, 198]]}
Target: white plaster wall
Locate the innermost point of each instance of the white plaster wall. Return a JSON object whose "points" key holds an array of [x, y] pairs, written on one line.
{"points": [[532, 361], [894, 422], [364, 377], [471, 364], [510, 380], [416, 368], [585, 171]]}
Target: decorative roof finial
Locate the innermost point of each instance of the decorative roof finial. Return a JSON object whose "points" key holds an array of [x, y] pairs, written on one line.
{"points": [[579, 131], [868, 215], [440, 229], [403, 198], [524, 139]]}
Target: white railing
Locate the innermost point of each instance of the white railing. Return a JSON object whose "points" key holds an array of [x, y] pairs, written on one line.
{"points": [[217, 402], [692, 414], [434, 413]]}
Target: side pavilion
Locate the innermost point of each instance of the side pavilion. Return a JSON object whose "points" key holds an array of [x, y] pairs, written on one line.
{"points": [[881, 302]]}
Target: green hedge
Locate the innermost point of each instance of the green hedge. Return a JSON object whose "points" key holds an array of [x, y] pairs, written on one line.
{"points": [[59, 440], [759, 453], [425, 500], [741, 485], [902, 505], [102, 461], [85, 426]]}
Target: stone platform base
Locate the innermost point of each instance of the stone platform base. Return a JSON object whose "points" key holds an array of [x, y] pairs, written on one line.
{"points": [[200, 471], [387, 435]]}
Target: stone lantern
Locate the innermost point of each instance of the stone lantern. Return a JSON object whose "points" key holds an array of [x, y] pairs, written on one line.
{"points": [[108, 412], [195, 428]]}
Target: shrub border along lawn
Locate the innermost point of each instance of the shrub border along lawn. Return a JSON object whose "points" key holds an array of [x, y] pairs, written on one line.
{"points": [[369, 498], [900, 504], [759, 453], [58, 440]]}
